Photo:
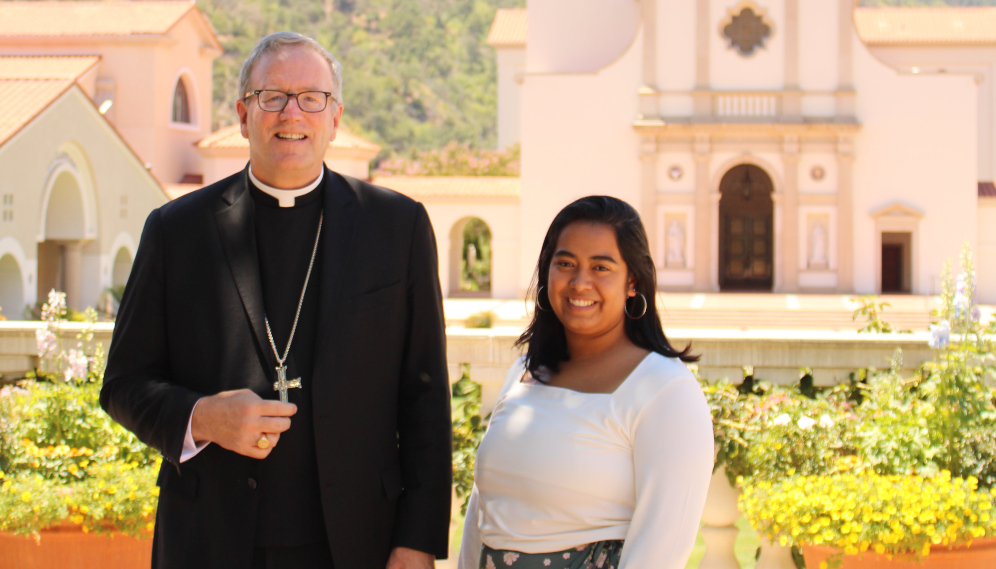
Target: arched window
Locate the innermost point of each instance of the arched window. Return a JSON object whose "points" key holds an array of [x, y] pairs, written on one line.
{"points": [[470, 258], [181, 103]]}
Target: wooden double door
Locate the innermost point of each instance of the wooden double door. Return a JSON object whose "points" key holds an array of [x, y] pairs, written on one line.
{"points": [[746, 236]]}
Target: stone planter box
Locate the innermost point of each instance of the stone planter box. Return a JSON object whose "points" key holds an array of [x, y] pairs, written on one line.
{"points": [[67, 546], [982, 553]]}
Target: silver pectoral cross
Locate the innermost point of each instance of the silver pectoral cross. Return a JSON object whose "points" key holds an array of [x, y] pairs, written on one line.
{"points": [[282, 385]]}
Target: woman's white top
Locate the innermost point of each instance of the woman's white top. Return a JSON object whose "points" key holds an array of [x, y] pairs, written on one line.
{"points": [[559, 468]]}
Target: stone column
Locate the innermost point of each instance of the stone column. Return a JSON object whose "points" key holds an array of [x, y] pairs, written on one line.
{"points": [[72, 274], [792, 99], [649, 97], [845, 68], [703, 209], [702, 100], [845, 213], [648, 193], [790, 213]]}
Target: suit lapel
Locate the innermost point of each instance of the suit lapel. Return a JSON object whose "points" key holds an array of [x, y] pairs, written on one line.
{"points": [[341, 214], [235, 218]]}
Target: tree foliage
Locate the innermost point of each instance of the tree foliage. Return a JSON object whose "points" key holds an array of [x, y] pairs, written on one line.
{"points": [[417, 74]]}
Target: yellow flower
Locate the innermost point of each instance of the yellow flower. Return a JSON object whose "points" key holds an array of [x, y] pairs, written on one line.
{"points": [[26, 496]]}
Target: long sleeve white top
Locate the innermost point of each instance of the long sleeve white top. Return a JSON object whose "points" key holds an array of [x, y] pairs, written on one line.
{"points": [[559, 468]]}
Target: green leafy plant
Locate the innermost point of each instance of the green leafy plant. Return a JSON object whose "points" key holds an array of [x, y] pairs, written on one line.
{"points": [[62, 459], [893, 515], [484, 319], [468, 430]]}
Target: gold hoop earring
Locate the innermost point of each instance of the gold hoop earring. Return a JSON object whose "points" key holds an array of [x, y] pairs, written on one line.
{"points": [[539, 296], [626, 307]]}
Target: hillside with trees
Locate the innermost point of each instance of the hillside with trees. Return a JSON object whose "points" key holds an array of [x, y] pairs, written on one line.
{"points": [[418, 74]]}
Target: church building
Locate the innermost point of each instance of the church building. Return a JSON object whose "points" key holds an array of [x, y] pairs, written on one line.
{"points": [[773, 145]]}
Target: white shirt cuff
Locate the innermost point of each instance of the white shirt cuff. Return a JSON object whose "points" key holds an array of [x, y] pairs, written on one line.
{"points": [[191, 448]]}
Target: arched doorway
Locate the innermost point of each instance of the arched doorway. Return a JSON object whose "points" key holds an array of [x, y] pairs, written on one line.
{"points": [[11, 288], [470, 258], [122, 268], [746, 230], [60, 255]]}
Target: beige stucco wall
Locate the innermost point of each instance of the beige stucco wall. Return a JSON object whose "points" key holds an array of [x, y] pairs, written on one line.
{"points": [[143, 71], [979, 63], [985, 252], [448, 218], [578, 140], [511, 73], [917, 147], [117, 192]]}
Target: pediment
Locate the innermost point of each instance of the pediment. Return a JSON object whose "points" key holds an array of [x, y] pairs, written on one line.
{"points": [[897, 210]]}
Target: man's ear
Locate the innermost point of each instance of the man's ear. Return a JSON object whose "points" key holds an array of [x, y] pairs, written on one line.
{"points": [[240, 107], [335, 122]]}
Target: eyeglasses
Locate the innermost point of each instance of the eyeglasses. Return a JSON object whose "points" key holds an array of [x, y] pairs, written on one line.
{"points": [[276, 101]]}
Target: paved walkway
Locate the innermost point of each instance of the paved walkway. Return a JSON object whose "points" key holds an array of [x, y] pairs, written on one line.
{"points": [[739, 311]]}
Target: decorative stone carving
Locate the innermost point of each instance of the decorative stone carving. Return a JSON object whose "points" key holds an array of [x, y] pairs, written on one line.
{"points": [[675, 245], [817, 173], [818, 247], [746, 27], [675, 172]]}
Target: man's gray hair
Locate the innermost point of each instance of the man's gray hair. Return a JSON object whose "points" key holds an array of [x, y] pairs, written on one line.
{"points": [[279, 40]]}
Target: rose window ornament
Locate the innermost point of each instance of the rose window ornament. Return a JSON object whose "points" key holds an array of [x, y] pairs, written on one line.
{"points": [[746, 27]]}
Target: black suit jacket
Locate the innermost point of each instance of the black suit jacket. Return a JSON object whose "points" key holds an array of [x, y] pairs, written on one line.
{"points": [[191, 324]]}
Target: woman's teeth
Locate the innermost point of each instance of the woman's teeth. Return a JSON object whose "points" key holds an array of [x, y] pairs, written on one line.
{"points": [[581, 303]]}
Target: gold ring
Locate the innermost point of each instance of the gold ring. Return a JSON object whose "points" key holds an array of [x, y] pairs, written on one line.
{"points": [[263, 442]]}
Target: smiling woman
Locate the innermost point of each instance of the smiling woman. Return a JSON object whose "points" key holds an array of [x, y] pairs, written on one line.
{"points": [[600, 445]]}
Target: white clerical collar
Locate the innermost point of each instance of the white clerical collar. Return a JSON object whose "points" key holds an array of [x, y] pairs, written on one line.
{"points": [[285, 197]]}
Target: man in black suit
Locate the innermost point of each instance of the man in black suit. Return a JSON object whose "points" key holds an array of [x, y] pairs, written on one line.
{"points": [[289, 279]]}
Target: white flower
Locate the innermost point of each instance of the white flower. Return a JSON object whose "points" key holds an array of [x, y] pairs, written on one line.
{"points": [[46, 342], [782, 419], [940, 335], [77, 364], [546, 562], [4, 392], [55, 307], [567, 555], [806, 422], [601, 559], [490, 564], [825, 421], [510, 557]]}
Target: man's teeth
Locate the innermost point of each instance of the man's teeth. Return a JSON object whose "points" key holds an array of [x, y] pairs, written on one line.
{"points": [[581, 302], [290, 136]]}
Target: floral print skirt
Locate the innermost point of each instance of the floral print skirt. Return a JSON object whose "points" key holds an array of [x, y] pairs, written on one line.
{"points": [[598, 555]]}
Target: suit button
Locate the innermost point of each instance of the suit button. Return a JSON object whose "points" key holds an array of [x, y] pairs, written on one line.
{"points": [[252, 483]]}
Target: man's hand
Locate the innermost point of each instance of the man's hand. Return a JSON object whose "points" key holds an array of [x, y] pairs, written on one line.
{"points": [[236, 419], [404, 558]]}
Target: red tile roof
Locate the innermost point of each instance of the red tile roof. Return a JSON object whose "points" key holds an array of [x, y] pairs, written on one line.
{"points": [[941, 25], [231, 137], [422, 187], [509, 28], [112, 18], [46, 67], [28, 85]]}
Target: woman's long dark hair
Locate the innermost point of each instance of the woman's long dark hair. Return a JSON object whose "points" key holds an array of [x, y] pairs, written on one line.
{"points": [[544, 338]]}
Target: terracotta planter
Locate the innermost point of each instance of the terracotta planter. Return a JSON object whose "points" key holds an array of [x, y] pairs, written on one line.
{"points": [[982, 553], [67, 546]]}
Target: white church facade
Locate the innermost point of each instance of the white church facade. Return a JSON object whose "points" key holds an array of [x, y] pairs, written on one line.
{"points": [[780, 145]]}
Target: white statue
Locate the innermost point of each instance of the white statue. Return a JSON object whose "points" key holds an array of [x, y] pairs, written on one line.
{"points": [[818, 253], [675, 244]]}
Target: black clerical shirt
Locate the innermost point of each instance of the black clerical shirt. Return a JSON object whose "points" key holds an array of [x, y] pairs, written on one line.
{"points": [[290, 507]]}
